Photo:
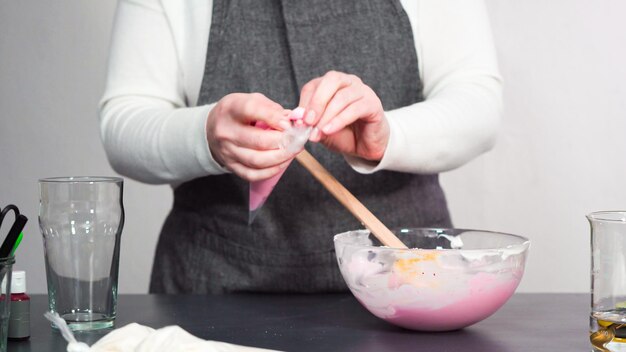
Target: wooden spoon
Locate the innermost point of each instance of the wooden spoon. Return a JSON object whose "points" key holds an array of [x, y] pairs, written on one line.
{"points": [[349, 201]]}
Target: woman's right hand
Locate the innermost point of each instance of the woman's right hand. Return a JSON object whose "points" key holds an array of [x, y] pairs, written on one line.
{"points": [[250, 152]]}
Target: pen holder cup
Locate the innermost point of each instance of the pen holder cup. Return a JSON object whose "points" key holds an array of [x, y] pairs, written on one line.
{"points": [[6, 264]]}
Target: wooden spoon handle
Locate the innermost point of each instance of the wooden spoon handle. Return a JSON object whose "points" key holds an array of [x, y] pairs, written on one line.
{"points": [[349, 201]]}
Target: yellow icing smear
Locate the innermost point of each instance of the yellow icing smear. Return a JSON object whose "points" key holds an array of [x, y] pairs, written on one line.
{"points": [[409, 271], [402, 265]]}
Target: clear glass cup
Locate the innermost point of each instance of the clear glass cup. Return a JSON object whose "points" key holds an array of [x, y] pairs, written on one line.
{"points": [[81, 220], [608, 280], [6, 265]]}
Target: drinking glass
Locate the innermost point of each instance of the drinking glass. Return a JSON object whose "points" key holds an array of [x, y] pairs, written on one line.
{"points": [[608, 280], [81, 220]]}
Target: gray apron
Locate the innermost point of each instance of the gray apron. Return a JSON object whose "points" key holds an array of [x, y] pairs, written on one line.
{"points": [[275, 47]]}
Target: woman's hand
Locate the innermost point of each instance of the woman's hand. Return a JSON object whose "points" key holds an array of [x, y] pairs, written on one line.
{"points": [[250, 152], [348, 115]]}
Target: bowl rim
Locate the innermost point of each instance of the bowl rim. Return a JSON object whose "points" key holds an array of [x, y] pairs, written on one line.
{"points": [[525, 244]]}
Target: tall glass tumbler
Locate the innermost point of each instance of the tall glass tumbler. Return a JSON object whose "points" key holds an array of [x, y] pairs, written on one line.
{"points": [[608, 280], [81, 220]]}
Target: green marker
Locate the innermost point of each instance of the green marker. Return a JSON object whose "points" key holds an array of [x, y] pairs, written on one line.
{"points": [[17, 243]]}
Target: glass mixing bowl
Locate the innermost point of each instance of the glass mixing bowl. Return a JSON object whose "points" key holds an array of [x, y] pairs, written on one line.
{"points": [[452, 278]]}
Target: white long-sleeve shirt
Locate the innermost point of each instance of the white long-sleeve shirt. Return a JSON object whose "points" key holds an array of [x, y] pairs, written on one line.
{"points": [[153, 131]]}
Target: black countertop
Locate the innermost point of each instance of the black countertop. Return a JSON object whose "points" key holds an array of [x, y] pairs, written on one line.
{"points": [[335, 322]]}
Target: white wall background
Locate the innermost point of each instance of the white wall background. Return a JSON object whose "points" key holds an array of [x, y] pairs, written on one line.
{"points": [[561, 152]]}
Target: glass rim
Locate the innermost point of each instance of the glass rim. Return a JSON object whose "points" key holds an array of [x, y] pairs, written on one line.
{"points": [[608, 216], [525, 241], [82, 179]]}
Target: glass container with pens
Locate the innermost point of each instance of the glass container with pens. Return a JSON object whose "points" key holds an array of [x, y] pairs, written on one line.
{"points": [[7, 259]]}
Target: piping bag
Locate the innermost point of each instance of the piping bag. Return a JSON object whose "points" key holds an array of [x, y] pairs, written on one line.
{"points": [[293, 140]]}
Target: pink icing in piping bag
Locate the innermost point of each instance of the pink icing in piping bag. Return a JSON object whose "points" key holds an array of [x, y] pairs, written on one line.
{"points": [[293, 140]]}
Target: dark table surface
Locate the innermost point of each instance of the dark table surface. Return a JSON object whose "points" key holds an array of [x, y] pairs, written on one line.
{"points": [[336, 322]]}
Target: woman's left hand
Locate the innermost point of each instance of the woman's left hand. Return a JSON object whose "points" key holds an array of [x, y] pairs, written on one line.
{"points": [[347, 114]]}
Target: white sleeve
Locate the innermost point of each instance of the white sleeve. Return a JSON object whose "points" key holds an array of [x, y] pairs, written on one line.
{"points": [[147, 131], [459, 118]]}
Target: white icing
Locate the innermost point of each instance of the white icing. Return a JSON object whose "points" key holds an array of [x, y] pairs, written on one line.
{"points": [[455, 241], [294, 138]]}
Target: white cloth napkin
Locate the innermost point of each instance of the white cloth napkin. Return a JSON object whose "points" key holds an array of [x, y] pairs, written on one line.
{"points": [[139, 338]]}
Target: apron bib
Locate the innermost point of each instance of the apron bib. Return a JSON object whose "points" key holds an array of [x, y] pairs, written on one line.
{"points": [[275, 47]]}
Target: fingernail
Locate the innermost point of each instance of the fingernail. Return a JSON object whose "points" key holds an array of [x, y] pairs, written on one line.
{"points": [[285, 125], [314, 132], [328, 129], [317, 135], [297, 113], [309, 118]]}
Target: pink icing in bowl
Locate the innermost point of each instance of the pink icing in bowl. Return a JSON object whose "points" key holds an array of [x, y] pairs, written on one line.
{"points": [[452, 279]]}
